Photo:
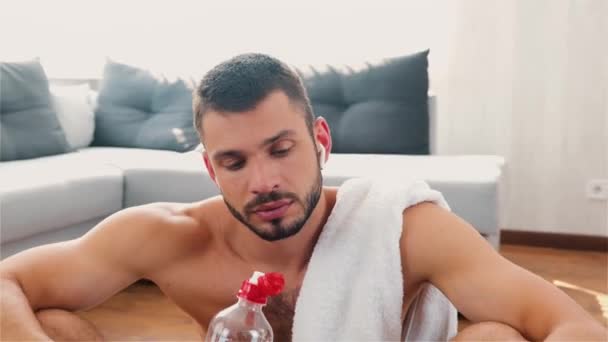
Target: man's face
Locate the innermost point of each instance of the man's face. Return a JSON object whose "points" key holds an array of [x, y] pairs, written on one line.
{"points": [[265, 164]]}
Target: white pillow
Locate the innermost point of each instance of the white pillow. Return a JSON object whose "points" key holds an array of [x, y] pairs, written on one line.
{"points": [[76, 113]]}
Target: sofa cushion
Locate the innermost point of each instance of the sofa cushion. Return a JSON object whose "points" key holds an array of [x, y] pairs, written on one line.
{"points": [[43, 194], [394, 128], [397, 79], [381, 108], [138, 109], [28, 123]]}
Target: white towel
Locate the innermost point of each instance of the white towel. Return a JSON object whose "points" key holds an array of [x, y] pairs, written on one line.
{"points": [[353, 287]]}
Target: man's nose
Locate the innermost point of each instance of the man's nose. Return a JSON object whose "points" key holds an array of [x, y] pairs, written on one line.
{"points": [[264, 179]]}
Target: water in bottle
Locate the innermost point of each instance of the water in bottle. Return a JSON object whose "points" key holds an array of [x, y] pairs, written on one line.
{"points": [[245, 321]]}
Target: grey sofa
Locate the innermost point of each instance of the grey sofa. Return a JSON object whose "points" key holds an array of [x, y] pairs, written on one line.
{"points": [[382, 122], [60, 197]]}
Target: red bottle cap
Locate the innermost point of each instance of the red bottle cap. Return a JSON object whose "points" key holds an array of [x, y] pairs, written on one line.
{"points": [[261, 286]]}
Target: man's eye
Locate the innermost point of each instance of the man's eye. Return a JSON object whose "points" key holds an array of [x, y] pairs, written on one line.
{"points": [[236, 165], [280, 153]]}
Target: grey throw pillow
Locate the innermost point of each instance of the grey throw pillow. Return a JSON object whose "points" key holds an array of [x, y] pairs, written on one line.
{"points": [[138, 109], [29, 126], [382, 108]]}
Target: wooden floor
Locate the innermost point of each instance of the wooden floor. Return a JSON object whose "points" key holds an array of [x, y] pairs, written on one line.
{"points": [[142, 313]]}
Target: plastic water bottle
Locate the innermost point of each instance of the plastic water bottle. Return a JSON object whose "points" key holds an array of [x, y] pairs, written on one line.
{"points": [[245, 321]]}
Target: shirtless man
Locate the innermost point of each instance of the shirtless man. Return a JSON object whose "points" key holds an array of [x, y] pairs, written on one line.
{"points": [[263, 150]]}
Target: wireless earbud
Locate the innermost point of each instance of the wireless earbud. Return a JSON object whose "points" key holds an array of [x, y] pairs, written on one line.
{"points": [[322, 156]]}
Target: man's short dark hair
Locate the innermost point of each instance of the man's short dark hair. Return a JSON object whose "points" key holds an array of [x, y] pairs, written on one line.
{"points": [[241, 82]]}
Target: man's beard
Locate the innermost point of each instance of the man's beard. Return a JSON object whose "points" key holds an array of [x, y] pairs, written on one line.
{"points": [[279, 230]]}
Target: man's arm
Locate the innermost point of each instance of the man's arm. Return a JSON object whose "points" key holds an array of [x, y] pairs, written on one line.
{"points": [[439, 247], [81, 273]]}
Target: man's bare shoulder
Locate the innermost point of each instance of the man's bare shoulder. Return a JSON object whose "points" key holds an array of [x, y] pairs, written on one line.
{"points": [[148, 220], [429, 232], [170, 217], [157, 234], [208, 213]]}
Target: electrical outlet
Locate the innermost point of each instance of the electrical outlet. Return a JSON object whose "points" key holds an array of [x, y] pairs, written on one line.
{"points": [[597, 189]]}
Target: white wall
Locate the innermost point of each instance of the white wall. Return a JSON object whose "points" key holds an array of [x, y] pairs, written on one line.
{"points": [[73, 38], [529, 80]]}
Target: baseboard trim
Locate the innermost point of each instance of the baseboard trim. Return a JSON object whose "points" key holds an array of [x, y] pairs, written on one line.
{"points": [[554, 240]]}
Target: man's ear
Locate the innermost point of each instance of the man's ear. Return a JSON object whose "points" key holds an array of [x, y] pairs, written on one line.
{"points": [[209, 166], [322, 137]]}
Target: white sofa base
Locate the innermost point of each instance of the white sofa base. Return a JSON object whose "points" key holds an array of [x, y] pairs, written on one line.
{"points": [[62, 234], [116, 178]]}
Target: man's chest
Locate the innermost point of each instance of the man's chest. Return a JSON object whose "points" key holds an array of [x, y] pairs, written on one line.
{"points": [[203, 294]]}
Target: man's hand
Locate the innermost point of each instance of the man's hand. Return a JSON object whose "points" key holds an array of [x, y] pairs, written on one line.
{"points": [[61, 325]]}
